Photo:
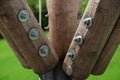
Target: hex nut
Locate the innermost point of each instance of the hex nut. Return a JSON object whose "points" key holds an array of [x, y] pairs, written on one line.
{"points": [[44, 50], [71, 54], [33, 34], [78, 39], [88, 22], [23, 15]]}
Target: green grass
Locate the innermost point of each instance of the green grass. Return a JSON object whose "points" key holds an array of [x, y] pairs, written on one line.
{"points": [[11, 69], [112, 72]]}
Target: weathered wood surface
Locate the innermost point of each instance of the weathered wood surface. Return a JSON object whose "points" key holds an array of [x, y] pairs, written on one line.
{"points": [[106, 15], [19, 34], [62, 23], [108, 51], [4, 32]]}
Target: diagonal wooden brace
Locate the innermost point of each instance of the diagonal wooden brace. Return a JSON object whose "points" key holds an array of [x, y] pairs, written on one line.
{"points": [[19, 26], [108, 51], [90, 38], [21, 58]]}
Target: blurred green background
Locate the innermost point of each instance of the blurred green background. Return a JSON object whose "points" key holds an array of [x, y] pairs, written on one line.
{"points": [[11, 69]]}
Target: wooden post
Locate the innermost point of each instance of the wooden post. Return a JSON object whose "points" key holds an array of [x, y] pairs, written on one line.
{"points": [[63, 24], [108, 51], [22, 30], [104, 13]]}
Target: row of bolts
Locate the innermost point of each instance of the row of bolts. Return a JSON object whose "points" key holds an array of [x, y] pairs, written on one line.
{"points": [[44, 50], [79, 38], [33, 33]]}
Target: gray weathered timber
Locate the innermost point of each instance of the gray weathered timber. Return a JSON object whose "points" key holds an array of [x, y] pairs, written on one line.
{"points": [[56, 74]]}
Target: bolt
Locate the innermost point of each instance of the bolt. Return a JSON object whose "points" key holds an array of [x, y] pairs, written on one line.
{"points": [[78, 39], [46, 28], [33, 34], [69, 70], [46, 15], [44, 50], [71, 54], [87, 22], [23, 16]]}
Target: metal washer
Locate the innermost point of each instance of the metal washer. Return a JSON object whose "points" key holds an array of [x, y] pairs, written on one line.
{"points": [[33, 34], [44, 50], [23, 15]]}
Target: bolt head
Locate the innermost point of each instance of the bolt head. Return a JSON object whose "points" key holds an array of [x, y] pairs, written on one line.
{"points": [[71, 54], [23, 15], [44, 51], [87, 22], [47, 15], [33, 34], [78, 39], [46, 28]]}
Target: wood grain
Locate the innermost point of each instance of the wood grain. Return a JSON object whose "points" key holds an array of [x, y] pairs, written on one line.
{"points": [[18, 54], [62, 23], [19, 34], [108, 51], [104, 18]]}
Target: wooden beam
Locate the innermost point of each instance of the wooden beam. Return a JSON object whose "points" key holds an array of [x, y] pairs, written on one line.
{"points": [[19, 26], [21, 58], [108, 51], [104, 14], [62, 23]]}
